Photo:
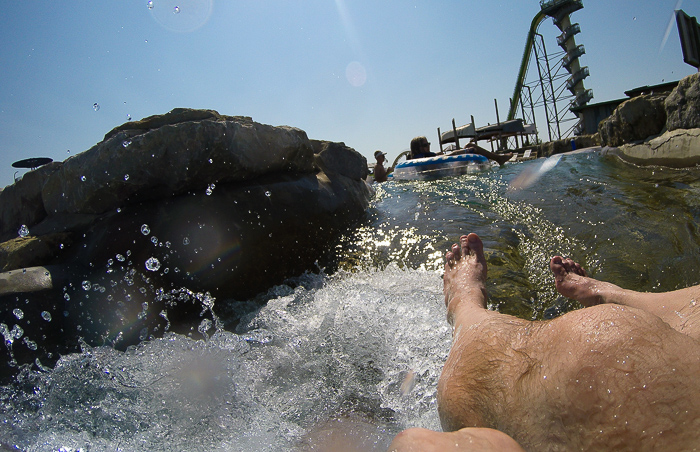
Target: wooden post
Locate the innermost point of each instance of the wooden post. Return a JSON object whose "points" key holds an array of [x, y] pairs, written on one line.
{"points": [[454, 130]]}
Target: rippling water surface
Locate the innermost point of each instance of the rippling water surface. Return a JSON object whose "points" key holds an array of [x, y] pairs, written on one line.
{"points": [[353, 356]]}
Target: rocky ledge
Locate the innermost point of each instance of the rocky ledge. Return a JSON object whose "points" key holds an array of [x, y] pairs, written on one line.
{"points": [[657, 129]]}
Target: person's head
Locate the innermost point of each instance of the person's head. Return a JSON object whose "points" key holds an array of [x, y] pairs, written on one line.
{"points": [[380, 156], [419, 145]]}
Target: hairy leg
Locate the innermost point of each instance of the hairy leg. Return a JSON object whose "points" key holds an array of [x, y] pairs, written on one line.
{"points": [[481, 360], [679, 308]]}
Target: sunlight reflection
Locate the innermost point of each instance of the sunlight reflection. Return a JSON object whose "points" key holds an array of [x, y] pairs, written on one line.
{"points": [[533, 173], [671, 21]]}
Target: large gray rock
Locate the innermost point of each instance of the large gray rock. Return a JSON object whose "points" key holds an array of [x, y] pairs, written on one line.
{"points": [[227, 185], [213, 207], [683, 104], [171, 159], [634, 120]]}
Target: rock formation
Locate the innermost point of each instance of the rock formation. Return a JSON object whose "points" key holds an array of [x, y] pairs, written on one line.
{"points": [[683, 104], [635, 134], [634, 120], [169, 212]]}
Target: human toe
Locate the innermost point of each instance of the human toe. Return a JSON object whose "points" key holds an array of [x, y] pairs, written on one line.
{"points": [[474, 242]]}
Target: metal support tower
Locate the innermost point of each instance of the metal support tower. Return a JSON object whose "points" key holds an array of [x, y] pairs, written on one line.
{"points": [[557, 73]]}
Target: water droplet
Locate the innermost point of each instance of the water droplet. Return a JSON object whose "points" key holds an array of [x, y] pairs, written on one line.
{"points": [[145, 230], [120, 258], [128, 116], [152, 264], [154, 240], [186, 241], [126, 143], [66, 297], [83, 178], [268, 194], [31, 345], [150, 4], [18, 313], [210, 189], [211, 161], [176, 10], [126, 177], [86, 285], [96, 106], [23, 231], [46, 315]]}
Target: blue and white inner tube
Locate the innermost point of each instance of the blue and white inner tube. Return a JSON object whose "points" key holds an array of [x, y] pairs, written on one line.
{"points": [[440, 166]]}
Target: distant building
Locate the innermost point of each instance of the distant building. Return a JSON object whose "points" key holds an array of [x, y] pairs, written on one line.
{"points": [[592, 114]]}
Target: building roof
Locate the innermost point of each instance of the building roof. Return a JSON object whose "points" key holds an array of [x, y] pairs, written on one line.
{"points": [[661, 88]]}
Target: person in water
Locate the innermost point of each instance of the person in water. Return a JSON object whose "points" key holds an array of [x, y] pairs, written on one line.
{"points": [[381, 173], [420, 147], [620, 374]]}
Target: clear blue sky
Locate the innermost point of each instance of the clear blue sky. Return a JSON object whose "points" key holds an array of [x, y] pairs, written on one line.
{"points": [[370, 73]]}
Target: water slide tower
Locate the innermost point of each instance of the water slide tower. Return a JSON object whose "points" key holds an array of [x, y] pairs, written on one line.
{"points": [[556, 73]]}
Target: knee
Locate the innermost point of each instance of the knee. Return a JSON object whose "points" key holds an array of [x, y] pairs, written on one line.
{"points": [[415, 439], [467, 439]]}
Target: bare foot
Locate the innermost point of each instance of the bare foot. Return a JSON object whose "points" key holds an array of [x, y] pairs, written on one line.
{"points": [[465, 275], [572, 281]]}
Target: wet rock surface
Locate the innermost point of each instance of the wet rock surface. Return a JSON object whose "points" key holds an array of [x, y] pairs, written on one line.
{"points": [[142, 232]]}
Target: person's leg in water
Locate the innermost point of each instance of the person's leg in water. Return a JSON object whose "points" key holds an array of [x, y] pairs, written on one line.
{"points": [[465, 299], [482, 343], [602, 377], [679, 308]]}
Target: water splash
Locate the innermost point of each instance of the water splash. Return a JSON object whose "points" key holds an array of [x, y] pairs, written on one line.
{"points": [[152, 264]]}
